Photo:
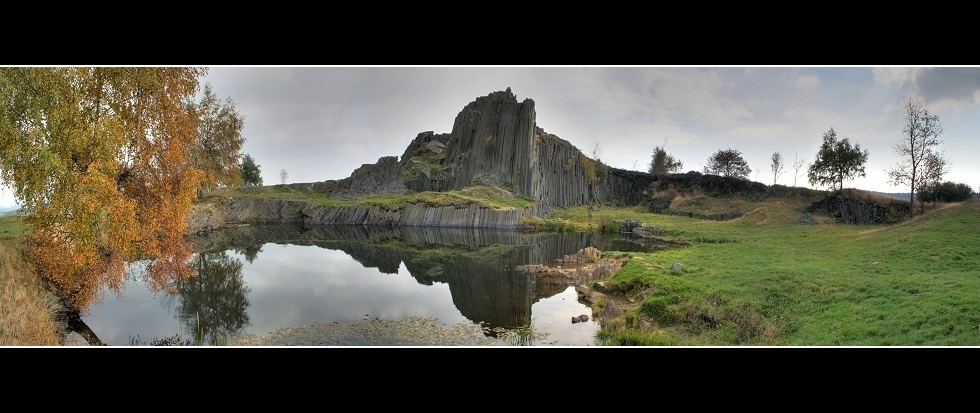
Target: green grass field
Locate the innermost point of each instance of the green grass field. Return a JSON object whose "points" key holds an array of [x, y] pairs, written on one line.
{"points": [[763, 279], [11, 226]]}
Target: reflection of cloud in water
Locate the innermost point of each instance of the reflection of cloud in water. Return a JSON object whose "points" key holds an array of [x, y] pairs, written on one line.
{"points": [[302, 284], [554, 315], [139, 310]]}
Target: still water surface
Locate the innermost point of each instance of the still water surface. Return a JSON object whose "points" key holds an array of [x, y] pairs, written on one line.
{"points": [[255, 280]]}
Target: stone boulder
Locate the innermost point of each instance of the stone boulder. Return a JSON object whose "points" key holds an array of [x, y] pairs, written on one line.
{"points": [[806, 219], [584, 255], [435, 147], [584, 294], [646, 232]]}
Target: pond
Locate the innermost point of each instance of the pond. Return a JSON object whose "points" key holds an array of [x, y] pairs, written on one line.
{"points": [[352, 285]]}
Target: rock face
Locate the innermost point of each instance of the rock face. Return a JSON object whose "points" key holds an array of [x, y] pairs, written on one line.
{"points": [[383, 177], [496, 142], [492, 144], [853, 207], [204, 217]]}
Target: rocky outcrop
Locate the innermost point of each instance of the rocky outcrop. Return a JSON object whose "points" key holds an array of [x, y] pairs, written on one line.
{"points": [[858, 207], [325, 186], [383, 177], [806, 219], [496, 142], [492, 144], [204, 217]]}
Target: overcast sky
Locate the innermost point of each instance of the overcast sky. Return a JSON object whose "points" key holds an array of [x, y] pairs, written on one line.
{"points": [[321, 123]]}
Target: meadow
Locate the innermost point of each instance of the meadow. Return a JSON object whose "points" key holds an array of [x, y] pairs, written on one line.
{"points": [[764, 279]]}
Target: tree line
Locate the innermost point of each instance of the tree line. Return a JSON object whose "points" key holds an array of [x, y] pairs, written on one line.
{"points": [[922, 166]]}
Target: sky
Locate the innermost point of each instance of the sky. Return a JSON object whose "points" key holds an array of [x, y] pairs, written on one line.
{"points": [[320, 123]]}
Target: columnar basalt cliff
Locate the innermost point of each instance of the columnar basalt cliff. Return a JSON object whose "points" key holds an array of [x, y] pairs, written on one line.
{"points": [[204, 217], [495, 142], [380, 178], [492, 143]]}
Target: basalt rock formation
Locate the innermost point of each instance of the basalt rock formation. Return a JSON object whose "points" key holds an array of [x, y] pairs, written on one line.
{"points": [[224, 212], [380, 178], [496, 142], [857, 207]]}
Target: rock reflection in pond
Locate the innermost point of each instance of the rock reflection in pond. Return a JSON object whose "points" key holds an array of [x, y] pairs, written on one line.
{"points": [[477, 264], [345, 273]]}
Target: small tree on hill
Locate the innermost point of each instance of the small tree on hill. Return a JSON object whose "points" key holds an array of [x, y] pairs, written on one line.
{"points": [[837, 161], [921, 133], [662, 163], [797, 164], [251, 172], [728, 163], [282, 176], [777, 166]]}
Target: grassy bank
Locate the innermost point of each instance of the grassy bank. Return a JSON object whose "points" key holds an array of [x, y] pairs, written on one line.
{"points": [[764, 279], [27, 310]]}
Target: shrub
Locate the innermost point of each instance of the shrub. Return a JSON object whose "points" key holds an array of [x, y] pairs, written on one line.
{"points": [[608, 226], [945, 192], [569, 164], [588, 166]]}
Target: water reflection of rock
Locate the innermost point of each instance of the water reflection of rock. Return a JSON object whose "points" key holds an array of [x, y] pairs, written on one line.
{"points": [[477, 264]]}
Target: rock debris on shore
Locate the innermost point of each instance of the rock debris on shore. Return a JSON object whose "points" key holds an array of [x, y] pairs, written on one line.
{"points": [[410, 331]]}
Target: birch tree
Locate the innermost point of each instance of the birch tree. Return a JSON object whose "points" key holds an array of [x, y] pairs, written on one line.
{"points": [[920, 134]]}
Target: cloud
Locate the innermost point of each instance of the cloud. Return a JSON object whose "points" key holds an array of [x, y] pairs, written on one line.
{"points": [[954, 83], [807, 82], [901, 75], [950, 87], [322, 123]]}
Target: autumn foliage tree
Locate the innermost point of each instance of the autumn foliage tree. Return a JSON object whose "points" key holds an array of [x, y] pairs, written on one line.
{"points": [[99, 160]]}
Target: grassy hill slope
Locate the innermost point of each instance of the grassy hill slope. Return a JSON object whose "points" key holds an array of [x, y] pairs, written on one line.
{"points": [[764, 279]]}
